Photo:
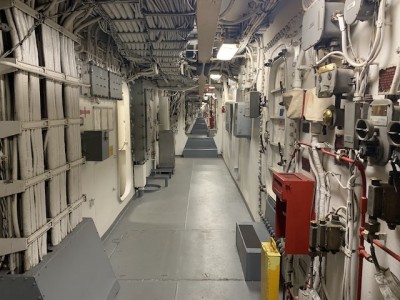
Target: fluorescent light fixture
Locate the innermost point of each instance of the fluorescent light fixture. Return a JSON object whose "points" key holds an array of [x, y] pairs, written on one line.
{"points": [[227, 51], [215, 76]]}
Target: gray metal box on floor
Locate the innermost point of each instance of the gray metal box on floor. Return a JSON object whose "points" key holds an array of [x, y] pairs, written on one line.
{"points": [[78, 268], [249, 236], [95, 145], [167, 149]]}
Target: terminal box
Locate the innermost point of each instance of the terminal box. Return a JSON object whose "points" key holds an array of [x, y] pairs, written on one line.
{"points": [[242, 124], [95, 145]]}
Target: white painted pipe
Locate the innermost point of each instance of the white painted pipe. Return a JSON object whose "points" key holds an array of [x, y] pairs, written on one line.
{"points": [[297, 81]]}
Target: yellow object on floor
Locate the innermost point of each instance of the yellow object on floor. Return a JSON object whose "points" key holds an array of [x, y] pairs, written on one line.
{"points": [[270, 271]]}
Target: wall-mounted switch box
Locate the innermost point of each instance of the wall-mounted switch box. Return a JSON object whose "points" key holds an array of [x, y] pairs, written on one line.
{"points": [[242, 124], [252, 100], [115, 86], [95, 145], [99, 82]]}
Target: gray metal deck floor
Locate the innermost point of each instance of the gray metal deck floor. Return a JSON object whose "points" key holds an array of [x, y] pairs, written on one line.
{"points": [[179, 243]]}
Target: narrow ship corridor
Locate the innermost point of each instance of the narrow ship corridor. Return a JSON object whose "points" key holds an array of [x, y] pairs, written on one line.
{"points": [[199, 150], [179, 243]]}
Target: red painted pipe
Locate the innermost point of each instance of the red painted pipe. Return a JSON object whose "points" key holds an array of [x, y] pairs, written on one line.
{"points": [[387, 250]]}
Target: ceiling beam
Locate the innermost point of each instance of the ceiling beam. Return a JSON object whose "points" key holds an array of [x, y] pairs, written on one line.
{"points": [[155, 42], [163, 14], [207, 24], [170, 29], [115, 1]]}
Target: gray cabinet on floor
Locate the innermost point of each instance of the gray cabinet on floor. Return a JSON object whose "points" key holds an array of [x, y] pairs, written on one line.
{"points": [[167, 149]]}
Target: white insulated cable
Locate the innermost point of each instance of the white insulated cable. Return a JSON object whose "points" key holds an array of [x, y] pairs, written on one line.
{"points": [[377, 44], [20, 81]]}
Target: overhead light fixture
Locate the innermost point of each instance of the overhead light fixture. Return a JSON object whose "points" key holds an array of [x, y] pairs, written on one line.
{"points": [[215, 77], [227, 51]]}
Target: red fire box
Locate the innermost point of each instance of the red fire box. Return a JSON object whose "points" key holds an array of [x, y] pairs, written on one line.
{"points": [[294, 201]]}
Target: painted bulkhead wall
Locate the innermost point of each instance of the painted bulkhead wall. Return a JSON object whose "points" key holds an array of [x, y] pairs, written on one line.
{"points": [[242, 155], [108, 184]]}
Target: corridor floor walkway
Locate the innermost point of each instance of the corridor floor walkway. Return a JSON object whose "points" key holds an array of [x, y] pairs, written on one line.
{"points": [[179, 243]]}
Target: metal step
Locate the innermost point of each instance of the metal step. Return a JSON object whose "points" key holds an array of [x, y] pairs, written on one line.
{"points": [[200, 127], [200, 143], [197, 153]]}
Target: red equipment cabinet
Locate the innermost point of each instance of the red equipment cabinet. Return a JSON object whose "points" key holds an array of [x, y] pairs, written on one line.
{"points": [[294, 201]]}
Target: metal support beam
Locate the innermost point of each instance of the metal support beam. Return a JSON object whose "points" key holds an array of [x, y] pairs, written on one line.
{"points": [[116, 1], [207, 23], [9, 128], [9, 65], [176, 49], [170, 29], [139, 20], [14, 245], [8, 188], [154, 42], [163, 14]]}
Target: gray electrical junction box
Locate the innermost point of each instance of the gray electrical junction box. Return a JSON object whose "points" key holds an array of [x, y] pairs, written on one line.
{"points": [[252, 100], [242, 124], [115, 82], [95, 145], [99, 82]]}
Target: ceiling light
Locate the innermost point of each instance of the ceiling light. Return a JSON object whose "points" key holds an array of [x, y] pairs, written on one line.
{"points": [[215, 76], [227, 51]]}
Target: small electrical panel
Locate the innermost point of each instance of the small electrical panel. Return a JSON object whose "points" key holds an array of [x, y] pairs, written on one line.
{"points": [[383, 200], [99, 81], [318, 28], [252, 100], [228, 117], [294, 199], [115, 86], [241, 124], [95, 145], [140, 99], [332, 80]]}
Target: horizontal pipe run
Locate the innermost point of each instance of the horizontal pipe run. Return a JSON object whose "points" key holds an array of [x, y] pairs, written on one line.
{"points": [[387, 250]]}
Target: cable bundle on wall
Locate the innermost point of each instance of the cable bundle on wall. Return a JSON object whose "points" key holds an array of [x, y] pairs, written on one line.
{"points": [[8, 171], [30, 142], [55, 140], [38, 153], [71, 100]]}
